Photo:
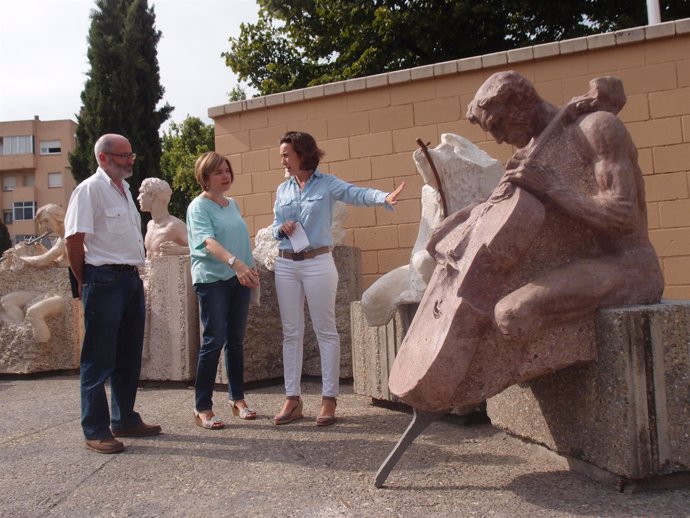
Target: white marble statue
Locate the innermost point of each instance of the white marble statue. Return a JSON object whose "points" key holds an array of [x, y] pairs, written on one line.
{"points": [[165, 234], [266, 246], [467, 175]]}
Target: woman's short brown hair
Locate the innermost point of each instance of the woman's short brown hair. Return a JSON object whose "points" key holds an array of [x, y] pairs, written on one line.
{"points": [[206, 164], [305, 146]]}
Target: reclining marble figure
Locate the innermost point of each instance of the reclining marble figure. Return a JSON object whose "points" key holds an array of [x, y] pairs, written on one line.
{"points": [[36, 306], [519, 277], [467, 174]]}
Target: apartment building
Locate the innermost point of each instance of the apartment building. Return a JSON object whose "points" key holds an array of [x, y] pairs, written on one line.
{"points": [[34, 170]]}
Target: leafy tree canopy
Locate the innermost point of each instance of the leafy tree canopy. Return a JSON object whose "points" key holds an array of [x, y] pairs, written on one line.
{"points": [[309, 42], [182, 145], [122, 89]]}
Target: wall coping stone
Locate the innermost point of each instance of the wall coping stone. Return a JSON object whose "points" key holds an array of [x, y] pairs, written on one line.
{"points": [[535, 52]]}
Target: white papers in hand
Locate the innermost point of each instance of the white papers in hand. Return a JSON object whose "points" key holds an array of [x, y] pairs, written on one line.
{"points": [[299, 239]]}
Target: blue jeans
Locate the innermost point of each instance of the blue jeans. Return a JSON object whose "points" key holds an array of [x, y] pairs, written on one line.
{"points": [[223, 308], [114, 316]]}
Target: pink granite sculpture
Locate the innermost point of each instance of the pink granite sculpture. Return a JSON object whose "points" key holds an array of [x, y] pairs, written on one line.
{"points": [[519, 277]]}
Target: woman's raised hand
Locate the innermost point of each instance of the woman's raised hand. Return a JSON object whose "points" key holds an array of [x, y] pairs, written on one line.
{"points": [[392, 197]]}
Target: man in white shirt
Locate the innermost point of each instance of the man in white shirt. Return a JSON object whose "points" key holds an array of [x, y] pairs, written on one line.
{"points": [[105, 248]]}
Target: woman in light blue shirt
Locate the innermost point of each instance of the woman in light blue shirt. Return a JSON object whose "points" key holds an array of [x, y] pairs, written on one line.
{"points": [[303, 214], [223, 274]]}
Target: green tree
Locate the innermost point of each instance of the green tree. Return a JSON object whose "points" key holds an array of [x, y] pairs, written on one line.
{"points": [[308, 42], [182, 145], [237, 94], [5, 240], [122, 89]]}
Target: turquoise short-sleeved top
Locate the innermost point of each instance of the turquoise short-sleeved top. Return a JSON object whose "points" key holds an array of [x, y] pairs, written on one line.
{"points": [[205, 218]]}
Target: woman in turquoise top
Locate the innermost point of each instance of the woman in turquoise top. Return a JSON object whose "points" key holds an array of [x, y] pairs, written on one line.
{"points": [[304, 202], [223, 274]]}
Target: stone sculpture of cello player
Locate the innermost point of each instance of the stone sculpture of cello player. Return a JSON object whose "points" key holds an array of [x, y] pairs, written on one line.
{"points": [[565, 233]]}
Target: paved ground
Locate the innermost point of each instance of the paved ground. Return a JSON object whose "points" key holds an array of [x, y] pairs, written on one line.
{"points": [[258, 469]]}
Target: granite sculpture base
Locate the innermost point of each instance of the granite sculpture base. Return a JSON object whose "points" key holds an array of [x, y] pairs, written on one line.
{"points": [[627, 415], [263, 346], [171, 336], [20, 352]]}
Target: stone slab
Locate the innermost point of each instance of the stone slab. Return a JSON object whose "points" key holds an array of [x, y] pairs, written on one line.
{"points": [[628, 413]]}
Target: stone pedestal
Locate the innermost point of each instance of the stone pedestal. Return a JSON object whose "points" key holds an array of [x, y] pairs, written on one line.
{"points": [[374, 349], [263, 346], [20, 353], [629, 412], [171, 337]]}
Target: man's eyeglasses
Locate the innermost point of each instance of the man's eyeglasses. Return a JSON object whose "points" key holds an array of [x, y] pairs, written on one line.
{"points": [[123, 156]]}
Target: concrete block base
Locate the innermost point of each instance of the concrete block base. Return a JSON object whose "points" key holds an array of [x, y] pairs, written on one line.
{"points": [[20, 353], [628, 413]]}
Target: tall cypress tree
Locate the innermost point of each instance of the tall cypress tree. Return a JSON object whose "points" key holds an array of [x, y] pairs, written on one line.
{"points": [[122, 89]]}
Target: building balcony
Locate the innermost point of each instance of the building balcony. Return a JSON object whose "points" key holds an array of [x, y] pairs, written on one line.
{"points": [[17, 162]]}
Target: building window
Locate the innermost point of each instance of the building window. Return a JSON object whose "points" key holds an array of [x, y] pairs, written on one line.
{"points": [[24, 210], [54, 180], [7, 216], [9, 183], [51, 147], [19, 145]]}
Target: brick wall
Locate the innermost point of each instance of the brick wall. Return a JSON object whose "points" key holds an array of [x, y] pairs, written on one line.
{"points": [[368, 128]]}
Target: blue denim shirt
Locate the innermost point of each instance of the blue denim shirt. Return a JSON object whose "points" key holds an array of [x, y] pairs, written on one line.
{"points": [[313, 207]]}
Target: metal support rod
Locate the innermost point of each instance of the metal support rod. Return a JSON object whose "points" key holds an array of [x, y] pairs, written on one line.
{"points": [[420, 421]]}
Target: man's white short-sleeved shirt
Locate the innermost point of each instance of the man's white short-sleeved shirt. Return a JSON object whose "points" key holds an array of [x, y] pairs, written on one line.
{"points": [[110, 222]]}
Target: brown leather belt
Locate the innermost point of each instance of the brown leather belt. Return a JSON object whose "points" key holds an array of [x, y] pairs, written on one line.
{"points": [[300, 256]]}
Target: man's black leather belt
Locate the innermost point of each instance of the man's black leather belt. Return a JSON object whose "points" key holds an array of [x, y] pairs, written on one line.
{"points": [[117, 267], [300, 256]]}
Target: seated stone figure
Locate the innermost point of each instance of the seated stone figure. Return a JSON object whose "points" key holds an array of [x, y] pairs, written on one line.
{"points": [[165, 234], [467, 174], [563, 234]]}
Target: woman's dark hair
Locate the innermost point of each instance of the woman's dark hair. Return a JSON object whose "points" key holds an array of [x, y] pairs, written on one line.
{"points": [[305, 146]]}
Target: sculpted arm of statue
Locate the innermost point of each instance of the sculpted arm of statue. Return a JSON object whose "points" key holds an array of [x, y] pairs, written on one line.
{"points": [[173, 248], [74, 245], [615, 206], [48, 257], [447, 225]]}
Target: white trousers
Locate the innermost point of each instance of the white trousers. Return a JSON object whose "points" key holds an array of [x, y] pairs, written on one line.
{"points": [[317, 280]]}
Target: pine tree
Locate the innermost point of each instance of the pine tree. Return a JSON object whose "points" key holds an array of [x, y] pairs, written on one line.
{"points": [[122, 89]]}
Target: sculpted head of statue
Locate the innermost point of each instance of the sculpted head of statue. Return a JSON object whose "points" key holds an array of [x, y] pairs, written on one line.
{"points": [[153, 190]]}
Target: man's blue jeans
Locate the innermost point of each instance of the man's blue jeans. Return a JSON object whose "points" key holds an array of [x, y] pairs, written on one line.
{"points": [[223, 309], [114, 314]]}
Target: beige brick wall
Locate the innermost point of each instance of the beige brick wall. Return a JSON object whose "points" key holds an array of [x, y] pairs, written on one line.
{"points": [[368, 128]]}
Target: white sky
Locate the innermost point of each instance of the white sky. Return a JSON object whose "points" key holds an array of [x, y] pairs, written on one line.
{"points": [[43, 60]]}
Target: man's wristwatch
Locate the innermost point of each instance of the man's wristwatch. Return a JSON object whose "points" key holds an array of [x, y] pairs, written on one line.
{"points": [[232, 260]]}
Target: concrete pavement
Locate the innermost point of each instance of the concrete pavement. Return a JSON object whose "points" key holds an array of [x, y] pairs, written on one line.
{"points": [[253, 468]]}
